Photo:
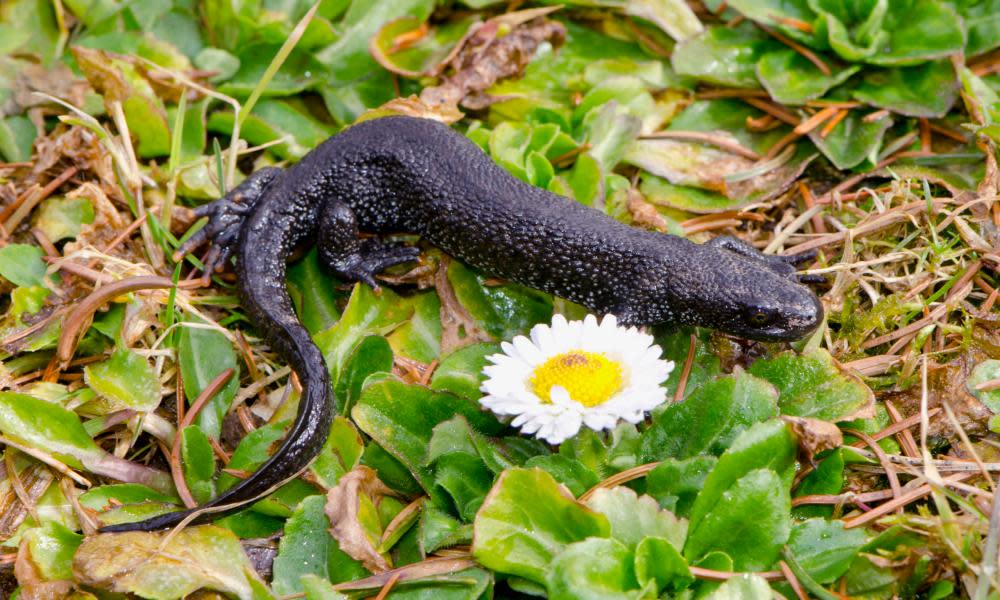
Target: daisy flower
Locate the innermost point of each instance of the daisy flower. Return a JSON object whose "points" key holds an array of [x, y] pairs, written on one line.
{"points": [[575, 373]]}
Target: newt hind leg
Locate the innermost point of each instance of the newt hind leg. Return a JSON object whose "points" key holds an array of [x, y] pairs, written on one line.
{"points": [[350, 257], [225, 218]]}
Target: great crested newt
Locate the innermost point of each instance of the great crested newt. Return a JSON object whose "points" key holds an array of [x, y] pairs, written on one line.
{"points": [[408, 175]]}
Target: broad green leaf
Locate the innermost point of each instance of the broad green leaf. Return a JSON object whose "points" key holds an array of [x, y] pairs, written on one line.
{"points": [[371, 355], [218, 61], [927, 90], [723, 56], [982, 23], [401, 418], [420, 337], [827, 478], [17, 135], [341, 453], [512, 540], [61, 218], [769, 445], [314, 291], [824, 548], [298, 73], [461, 371], [753, 543], [193, 558], [48, 427], [710, 418], [851, 141], [22, 265], [658, 560], [364, 315], [853, 30], [199, 463], [423, 55], [791, 79], [466, 480], [203, 354], [308, 549], [126, 381], [567, 471], [106, 496], [634, 517], [919, 30], [51, 549], [467, 584], [814, 385], [729, 115], [988, 370], [676, 483], [593, 569], [777, 14], [276, 120], [503, 310], [438, 529]]}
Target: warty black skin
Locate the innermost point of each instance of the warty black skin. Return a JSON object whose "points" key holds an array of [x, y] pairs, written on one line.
{"points": [[402, 174]]}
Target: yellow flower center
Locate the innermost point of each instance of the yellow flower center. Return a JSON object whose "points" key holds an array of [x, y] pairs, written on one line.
{"points": [[590, 378]]}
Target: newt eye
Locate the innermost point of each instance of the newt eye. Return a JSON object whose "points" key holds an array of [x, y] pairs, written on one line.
{"points": [[759, 317]]}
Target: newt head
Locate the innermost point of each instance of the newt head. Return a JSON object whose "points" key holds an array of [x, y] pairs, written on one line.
{"points": [[742, 292]]}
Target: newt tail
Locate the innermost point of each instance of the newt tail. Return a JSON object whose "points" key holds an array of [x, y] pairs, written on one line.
{"points": [[402, 174]]}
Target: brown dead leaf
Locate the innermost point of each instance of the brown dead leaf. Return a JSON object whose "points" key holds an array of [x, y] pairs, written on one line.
{"points": [[56, 80], [497, 49], [814, 435], [643, 212], [458, 328], [357, 492]]}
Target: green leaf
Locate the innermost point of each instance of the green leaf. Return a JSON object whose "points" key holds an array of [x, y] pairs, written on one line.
{"points": [[919, 30], [199, 463], [987, 370], [777, 14], [824, 548], [438, 529], [710, 418], [791, 79], [341, 453], [51, 548], [723, 56], [365, 314], [927, 90], [593, 569], [61, 218], [308, 549], [22, 265], [510, 539], [126, 381], [203, 354], [218, 61], [814, 385], [658, 560], [461, 372], [634, 517], [769, 445], [982, 23], [103, 497], [567, 471], [503, 310], [193, 558], [48, 427], [676, 483], [827, 478], [852, 141], [17, 135], [274, 120], [372, 355], [753, 543], [401, 418], [420, 337]]}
